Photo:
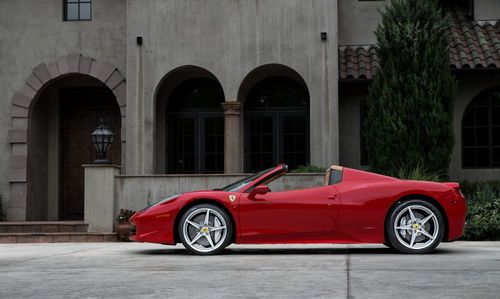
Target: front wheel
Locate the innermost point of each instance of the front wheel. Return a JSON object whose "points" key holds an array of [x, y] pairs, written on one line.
{"points": [[415, 226], [205, 229]]}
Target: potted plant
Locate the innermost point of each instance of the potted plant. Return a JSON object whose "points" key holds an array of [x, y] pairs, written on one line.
{"points": [[124, 226]]}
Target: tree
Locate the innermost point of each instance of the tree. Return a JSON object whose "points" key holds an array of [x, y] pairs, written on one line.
{"points": [[410, 101]]}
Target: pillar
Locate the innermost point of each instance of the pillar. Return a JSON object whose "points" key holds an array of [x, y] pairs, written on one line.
{"points": [[233, 139], [99, 196]]}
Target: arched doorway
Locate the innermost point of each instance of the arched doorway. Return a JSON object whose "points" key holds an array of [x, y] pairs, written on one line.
{"points": [[276, 114], [52, 116], [190, 122], [61, 120], [481, 130]]}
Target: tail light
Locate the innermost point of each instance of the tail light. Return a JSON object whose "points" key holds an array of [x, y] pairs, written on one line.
{"points": [[456, 187]]}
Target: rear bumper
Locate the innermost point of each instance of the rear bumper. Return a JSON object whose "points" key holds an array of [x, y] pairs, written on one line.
{"points": [[456, 211]]}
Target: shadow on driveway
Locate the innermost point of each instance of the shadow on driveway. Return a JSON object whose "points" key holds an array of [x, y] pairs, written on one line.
{"points": [[285, 251]]}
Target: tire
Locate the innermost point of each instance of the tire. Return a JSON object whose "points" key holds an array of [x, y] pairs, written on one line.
{"points": [[204, 238], [415, 226]]}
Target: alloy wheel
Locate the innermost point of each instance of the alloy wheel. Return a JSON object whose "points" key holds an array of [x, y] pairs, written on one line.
{"points": [[205, 230], [416, 227]]}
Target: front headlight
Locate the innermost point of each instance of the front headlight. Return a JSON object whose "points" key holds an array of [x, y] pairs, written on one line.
{"points": [[159, 202], [164, 200]]}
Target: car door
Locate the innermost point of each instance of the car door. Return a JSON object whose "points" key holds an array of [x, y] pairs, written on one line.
{"points": [[306, 215]]}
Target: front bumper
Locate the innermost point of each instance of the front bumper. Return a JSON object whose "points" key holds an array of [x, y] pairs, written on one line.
{"points": [[153, 228]]}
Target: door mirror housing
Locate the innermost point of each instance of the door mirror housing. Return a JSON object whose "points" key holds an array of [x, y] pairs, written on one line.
{"points": [[259, 190]]}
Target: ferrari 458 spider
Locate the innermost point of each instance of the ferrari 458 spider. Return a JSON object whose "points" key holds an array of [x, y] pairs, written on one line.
{"points": [[352, 206]]}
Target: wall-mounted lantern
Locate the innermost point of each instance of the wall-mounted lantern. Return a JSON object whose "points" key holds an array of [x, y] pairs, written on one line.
{"points": [[102, 138]]}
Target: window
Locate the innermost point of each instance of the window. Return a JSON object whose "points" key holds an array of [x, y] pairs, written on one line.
{"points": [[195, 127], [77, 10], [481, 131], [276, 124]]}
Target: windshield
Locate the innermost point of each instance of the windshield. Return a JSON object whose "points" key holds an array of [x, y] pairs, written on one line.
{"points": [[243, 182]]}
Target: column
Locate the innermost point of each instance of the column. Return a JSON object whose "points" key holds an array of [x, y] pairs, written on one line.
{"points": [[233, 137], [99, 196]]}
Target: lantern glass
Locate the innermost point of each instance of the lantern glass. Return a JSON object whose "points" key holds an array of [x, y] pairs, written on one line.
{"points": [[102, 138]]}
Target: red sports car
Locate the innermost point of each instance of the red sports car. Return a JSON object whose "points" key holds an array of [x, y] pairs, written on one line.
{"points": [[352, 206]]}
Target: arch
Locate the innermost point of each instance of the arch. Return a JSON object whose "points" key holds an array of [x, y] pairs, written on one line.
{"points": [[42, 76], [276, 108], [177, 83], [264, 71], [480, 130]]}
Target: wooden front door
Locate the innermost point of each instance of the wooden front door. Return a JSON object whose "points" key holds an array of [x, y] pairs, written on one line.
{"points": [[81, 111]]}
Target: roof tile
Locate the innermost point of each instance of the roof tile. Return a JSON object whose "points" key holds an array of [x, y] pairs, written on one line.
{"points": [[473, 45]]}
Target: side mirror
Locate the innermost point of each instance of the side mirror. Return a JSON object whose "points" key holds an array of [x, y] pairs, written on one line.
{"points": [[260, 189]]}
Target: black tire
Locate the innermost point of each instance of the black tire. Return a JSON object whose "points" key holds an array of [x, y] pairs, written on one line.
{"points": [[204, 248], [401, 240]]}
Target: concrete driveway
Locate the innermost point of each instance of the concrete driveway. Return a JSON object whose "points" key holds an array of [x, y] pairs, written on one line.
{"points": [[116, 270]]}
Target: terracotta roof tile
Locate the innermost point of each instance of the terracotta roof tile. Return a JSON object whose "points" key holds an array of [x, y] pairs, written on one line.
{"points": [[473, 45]]}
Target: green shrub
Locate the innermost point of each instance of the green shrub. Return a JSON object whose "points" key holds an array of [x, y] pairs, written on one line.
{"points": [[308, 169], [410, 101], [419, 173], [483, 211]]}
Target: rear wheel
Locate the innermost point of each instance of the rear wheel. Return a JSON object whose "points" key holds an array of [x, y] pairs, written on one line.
{"points": [[415, 226], [205, 229]]}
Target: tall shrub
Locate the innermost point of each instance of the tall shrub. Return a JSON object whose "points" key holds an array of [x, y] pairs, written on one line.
{"points": [[410, 101]]}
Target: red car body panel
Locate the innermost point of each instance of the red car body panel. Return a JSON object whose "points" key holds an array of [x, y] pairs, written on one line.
{"points": [[353, 210]]}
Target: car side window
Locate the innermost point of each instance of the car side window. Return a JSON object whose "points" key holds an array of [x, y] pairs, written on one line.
{"points": [[335, 176]]}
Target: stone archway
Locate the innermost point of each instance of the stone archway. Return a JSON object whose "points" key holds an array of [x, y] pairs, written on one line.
{"points": [[41, 77]]}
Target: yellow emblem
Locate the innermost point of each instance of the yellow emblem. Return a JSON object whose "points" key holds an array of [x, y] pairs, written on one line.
{"points": [[204, 229], [232, 198], [416, 226]]}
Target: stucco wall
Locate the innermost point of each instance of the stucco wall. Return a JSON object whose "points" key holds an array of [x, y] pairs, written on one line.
{"points": [[469, 86], [358, 20], [350, 97], [134, 192], [486, 9], [230, 38], [32, 32]]}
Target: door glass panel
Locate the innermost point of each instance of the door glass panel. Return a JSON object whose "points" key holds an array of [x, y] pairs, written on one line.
{"points": [[294, 141], [260, 147], [214, 144], [182, 142]]}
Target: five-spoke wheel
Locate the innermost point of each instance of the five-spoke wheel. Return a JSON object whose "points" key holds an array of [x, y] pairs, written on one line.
{"points": [[205, 229], [415, 226]]}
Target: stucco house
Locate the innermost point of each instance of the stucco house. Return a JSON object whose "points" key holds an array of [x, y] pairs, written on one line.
{"points": [[210, 87]]}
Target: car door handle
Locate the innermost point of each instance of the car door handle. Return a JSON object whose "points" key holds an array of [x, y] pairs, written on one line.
{"points": [[333, 197]]}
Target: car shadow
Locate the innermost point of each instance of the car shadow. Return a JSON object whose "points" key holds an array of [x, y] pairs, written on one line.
{"points": [[287, 251]]}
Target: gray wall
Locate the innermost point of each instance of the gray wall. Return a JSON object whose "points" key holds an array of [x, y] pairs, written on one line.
{"points": [[468, 87], [350, 97], [358, 20], [230, 38], [486, 9], [134, 192], [32, 32]]}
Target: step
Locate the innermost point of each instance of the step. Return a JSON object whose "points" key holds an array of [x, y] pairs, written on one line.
{"points": [[60, 237], [43, 226]]}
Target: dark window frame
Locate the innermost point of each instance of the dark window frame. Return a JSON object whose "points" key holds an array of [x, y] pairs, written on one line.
{"points": [[490, 147], [175, 110], [199, 122], [78, 2], [278, 114]]}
